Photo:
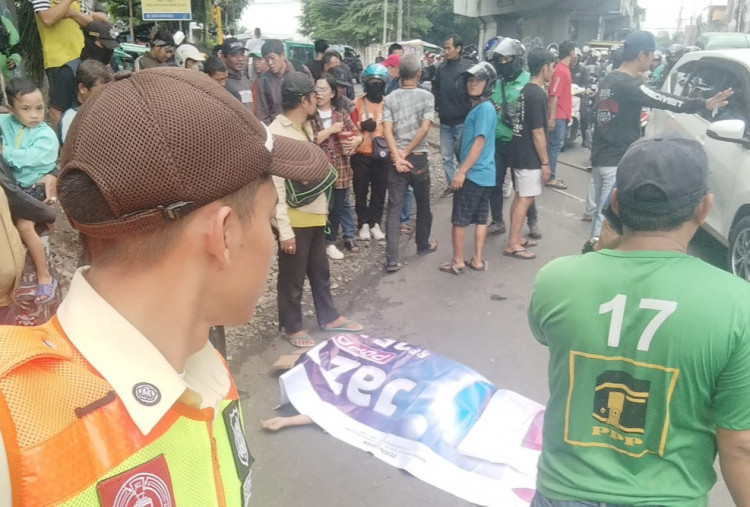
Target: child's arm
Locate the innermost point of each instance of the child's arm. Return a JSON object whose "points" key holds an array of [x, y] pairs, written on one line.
{"points": [[42, 152]]}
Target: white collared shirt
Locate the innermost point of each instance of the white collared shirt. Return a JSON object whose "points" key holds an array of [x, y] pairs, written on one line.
{"points": [[139, 374]]}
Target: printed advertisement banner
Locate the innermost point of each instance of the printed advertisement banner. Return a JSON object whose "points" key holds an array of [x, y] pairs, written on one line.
{"points": [[166, 10], [424, 413]]}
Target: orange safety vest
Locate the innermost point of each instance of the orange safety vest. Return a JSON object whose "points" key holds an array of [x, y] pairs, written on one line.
{"points": [[70, 441]]}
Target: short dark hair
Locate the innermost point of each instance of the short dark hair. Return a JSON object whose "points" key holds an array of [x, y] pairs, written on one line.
{"points": [[291, 101], [618, 56], [636, 220], [214, 64], [537, 59], [92, 72], [395, 47], [329, 55], [566, 47], [321, 46], [457, 41], [164, 35], [19, 86], [272, 46]]}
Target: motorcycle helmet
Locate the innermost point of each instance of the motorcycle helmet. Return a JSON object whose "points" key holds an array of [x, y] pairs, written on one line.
{"points": [[674, 53], [657, 55], [485, 72], [508, 47], [375, 71], [586, 50], [490, 46], [187, 52], [471, 52]]}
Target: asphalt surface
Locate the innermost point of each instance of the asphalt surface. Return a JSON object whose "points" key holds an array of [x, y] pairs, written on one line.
{"points": [[478, 319]]}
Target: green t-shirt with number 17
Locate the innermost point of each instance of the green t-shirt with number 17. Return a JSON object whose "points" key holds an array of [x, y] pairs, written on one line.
{"points": [[649, 352]]}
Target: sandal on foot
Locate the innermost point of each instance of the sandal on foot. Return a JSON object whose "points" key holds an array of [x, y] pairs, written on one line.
{"points": [[405, 229], [558, 184], [484, 267], [449, 267], [528, 243], [347, 327], [432, 248], [45, 291], [393, 267], [350, 245], [522, 254], [303, 342]]}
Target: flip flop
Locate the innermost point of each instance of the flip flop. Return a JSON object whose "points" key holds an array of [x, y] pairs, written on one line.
{"points": [[302, 342], [46, 291], [346, 327], [430, 249], [558, 184], [518, 254], [529, 243], [449, 267], [485, 265]]}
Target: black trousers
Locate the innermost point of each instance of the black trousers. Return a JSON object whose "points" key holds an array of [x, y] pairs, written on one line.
{"points": [[370, 177], [311, 261], [502, 155]]}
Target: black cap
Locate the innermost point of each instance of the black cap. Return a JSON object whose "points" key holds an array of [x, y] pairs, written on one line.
{"points": [[676, 167], [340, 75], [104, 32], [640, 41], [297, 83], [232, 45]]}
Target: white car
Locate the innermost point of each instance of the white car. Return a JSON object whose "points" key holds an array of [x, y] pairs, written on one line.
{"points": [[725, 134]]}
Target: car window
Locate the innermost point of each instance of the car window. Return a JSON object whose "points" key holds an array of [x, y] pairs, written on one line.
{"points": [[704, 79], [679, 78]]}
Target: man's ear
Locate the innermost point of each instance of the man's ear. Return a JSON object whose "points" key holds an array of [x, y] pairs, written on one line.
{"points": [[614, 202], [220, 236], [704, 208]]}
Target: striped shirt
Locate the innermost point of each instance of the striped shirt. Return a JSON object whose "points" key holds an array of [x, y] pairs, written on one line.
{"points": [[407, 109]]}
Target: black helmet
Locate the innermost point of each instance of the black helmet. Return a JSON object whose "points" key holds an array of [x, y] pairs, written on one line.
{"points": [[485, 72], [471, 52]]}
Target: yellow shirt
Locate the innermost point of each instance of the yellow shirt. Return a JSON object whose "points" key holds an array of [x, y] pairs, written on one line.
{"points": [[61, 42]]}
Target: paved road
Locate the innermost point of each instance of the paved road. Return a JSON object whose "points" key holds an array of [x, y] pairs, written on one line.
{"points": [[459, 317]]}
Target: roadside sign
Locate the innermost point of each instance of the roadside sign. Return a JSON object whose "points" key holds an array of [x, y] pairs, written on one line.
{"points": [[166, 10]]}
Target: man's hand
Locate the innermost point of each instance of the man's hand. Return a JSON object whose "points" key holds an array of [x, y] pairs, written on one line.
{"points": [[458, 181], [337, 127], [719, 100], [551, 124], [50, 188], [288, 246], [402, 165], [546, 173], [11, 64]]}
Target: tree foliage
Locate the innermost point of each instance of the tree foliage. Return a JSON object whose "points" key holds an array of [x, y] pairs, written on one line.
{"points": [[360, 22]]}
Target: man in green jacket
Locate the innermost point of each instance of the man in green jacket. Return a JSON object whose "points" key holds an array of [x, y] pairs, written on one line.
{"points": [[507, 58]]}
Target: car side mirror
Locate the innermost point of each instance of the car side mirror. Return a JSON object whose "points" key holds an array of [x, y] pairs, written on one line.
{"points": [[731, 131]]}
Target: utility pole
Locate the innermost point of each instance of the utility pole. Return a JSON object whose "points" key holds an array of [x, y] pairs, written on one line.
{"points": [[408, 19], [400, 23], [132, 29], [385, 21]]}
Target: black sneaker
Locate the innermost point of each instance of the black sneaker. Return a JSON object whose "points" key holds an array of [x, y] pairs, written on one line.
{"points": [[534, 232], [496, 228]]}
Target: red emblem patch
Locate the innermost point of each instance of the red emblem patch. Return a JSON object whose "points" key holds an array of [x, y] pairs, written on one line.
{"points": [[145, 485]]}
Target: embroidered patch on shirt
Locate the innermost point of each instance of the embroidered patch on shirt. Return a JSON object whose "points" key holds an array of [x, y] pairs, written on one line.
{"points": [[148, 484], [240, 451]]}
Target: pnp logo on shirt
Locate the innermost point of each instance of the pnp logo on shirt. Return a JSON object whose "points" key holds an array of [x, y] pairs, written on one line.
{"points": [[621, 400]]}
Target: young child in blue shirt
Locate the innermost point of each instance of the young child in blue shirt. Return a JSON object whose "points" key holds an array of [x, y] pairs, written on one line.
{"points": [[30, 148]]}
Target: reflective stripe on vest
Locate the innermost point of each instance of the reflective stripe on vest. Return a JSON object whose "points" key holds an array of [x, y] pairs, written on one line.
{"points": [[101, 457]]}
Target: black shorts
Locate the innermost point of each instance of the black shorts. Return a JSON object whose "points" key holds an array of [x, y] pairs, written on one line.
{"points": [[62, 87], [471, 205]]}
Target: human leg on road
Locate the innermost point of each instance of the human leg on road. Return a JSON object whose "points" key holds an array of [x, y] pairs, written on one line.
{"points": [[497, 225], [290, 283], [397, 183], [406, 210], [588, 215], [378, 186], [420, 182], [528, 186], [319, 274], [361, 181], [335, 211], [556, 141], [449, 134], [348, 229], [604, 180]]}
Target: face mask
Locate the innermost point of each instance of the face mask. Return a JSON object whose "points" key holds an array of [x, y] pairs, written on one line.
{"points": [[375, 91], [507, 70], [91, 50]]}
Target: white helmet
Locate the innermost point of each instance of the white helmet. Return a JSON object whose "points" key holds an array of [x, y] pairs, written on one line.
{"points": [[187, 52], [178, 37]]}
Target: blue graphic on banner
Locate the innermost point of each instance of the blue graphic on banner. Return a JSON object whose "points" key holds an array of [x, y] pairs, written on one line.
{"points": [[423, 412], [167, 16]]}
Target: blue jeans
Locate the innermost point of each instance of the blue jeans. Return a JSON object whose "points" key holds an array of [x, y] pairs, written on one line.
{"points": [[449, 134], [408, 201], [604, 181], [340, 213], [542, 501], [556, 142]]}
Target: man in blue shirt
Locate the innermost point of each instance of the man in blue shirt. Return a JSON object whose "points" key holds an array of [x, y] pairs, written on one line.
{"points": [[475, 177]]}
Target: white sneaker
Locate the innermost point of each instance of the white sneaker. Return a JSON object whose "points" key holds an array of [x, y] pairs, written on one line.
{"points": [[364, 232], [334, 253], [377, 233]]}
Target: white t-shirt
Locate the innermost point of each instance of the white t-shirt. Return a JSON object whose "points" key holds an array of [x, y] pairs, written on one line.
{"points": [[326, 117]]}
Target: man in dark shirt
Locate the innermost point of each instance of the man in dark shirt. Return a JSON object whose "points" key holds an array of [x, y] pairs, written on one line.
{"points": [[618, 112], [316, 66], [451, 103], [234, 54], [162, 48], [269, 83], [529, 158]]}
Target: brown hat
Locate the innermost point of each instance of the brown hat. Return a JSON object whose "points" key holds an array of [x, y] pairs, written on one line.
{"points": [[167, 141]]}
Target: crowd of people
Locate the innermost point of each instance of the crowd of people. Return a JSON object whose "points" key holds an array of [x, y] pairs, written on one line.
{"points": [[271, 165]]}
